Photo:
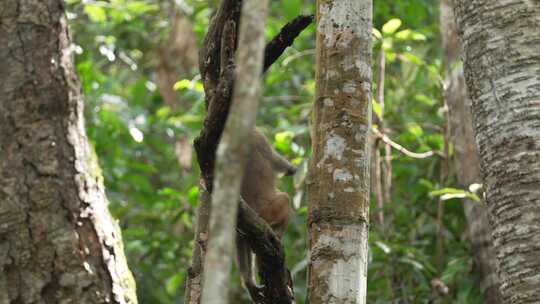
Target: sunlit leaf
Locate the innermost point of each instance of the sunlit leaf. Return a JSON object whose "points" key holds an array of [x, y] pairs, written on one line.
{"points": [[163, 112], [385, 248], [413, 263], [377, 109], [283, 140], [474, 188], [451, 193], [193, 195], [182, 84], [96, 13], [140, 7], [174, 283], [404, 34], [418, 36], [376, 33], [415, 129], [411, 58], [391, 26]]}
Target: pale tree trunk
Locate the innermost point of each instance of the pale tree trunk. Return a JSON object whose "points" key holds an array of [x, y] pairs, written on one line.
{"points": [[176, 58], [338, 187], [500, 41], [232, 152], [58, 242], [466, 161]]}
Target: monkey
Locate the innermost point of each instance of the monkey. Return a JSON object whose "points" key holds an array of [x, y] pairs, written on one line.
{"points": [[259, 191]]}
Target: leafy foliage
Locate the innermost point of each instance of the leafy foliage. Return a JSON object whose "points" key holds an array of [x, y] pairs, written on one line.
{"points": [[136, 136]]}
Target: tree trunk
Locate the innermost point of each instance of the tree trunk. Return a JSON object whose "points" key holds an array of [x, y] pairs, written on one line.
{"points": [[58, 242], [233, 152], [502, 70], [466, 161], [176, 57], [338, 189]]}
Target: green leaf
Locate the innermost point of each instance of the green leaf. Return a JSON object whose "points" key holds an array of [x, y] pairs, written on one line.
{"points": [[193, 196], [291, 8], [415, 129], [182, 84], [385, 248], [140, 7], [404, 35], [163, 112], [418, 37], [375, 32], [387, 44], [174, 283], [186, 84], [283, 140], [96, 13], [391, 26], [411, 58], [451, 193], [410, 35], [425, 100], [377, 108], [413, 263]]}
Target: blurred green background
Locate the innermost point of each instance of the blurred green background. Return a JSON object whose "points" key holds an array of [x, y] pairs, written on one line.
{"points": [[144, 141]]}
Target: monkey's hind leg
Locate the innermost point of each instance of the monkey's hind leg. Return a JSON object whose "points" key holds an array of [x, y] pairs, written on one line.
{"points": [[245, 267], [280, 206]]}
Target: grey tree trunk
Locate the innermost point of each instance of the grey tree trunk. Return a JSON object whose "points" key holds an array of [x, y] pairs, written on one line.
{"points": [[58, 242], [466, 161], [338, 187], [500, 41], [232, 153]]}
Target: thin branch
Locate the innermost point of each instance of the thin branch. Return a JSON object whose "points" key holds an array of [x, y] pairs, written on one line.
{"points": [[385, 173], [400, 148], [284, 39], [376, 183], [218, 106], [301, 54]]}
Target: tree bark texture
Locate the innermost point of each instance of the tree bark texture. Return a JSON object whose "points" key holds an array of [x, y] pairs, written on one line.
{"points": [[233, 152], [58, 242], [466, 161], [194, 281], [338, 186], [500, 41]]}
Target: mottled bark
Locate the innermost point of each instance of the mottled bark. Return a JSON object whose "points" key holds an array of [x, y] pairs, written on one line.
{"points": [[58, 242], [466, 161], [194, 282], [338, 187], [232, 152], [500, 40]]}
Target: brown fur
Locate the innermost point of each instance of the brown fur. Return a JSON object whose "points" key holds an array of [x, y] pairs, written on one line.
{"points": [[259, 192]]}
